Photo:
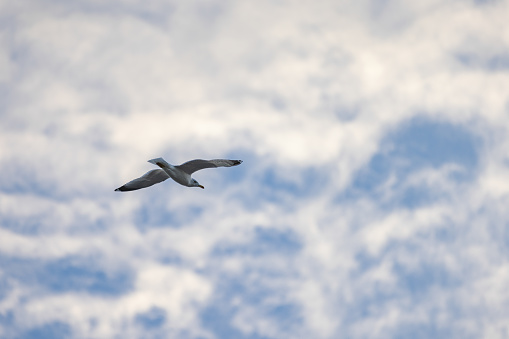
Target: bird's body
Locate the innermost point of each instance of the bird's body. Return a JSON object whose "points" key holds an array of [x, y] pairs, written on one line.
{"points": [[181, 173], [181, 177]]}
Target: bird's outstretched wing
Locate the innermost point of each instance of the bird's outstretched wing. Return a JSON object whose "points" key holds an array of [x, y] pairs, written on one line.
{"points": [[198, 164], [148, 179]]}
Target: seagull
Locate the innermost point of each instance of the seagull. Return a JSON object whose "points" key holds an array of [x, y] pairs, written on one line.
{"points": [[181, 173]]}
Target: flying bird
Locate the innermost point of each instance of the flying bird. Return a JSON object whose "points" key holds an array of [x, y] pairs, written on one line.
{"points": [[181, 173]]}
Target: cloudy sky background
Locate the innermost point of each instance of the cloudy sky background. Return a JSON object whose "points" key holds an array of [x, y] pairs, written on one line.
{"points": [[372, 201]]}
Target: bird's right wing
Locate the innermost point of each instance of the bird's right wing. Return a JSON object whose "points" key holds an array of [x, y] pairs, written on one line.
{"points": [[195, 165], [148, 179]]}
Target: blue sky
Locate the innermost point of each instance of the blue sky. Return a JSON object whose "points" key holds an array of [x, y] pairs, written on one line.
{"points": [[371, 203]]}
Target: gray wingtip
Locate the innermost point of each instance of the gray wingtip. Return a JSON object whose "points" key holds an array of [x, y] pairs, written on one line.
{"points": [[237, 162]]}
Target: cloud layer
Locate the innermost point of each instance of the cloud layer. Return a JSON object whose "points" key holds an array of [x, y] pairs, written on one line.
{"points": [[372, 201]]}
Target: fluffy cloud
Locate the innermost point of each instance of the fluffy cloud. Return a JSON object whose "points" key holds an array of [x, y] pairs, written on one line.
{"points": [[371, 201]]}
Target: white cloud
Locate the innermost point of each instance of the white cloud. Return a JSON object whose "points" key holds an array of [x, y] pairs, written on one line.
{"points": [[96, 89], [105, 317]]}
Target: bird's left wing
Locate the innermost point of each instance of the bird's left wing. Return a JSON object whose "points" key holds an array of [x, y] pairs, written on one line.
{"points": [[148, 179], [198, 164]]}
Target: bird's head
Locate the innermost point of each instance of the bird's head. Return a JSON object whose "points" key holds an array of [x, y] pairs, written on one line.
{"points": [[195, 183]]}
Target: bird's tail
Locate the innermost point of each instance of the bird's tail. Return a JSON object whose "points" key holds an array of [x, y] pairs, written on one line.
{"points": [[159, 162]]}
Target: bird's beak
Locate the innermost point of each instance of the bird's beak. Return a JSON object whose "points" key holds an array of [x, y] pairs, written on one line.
{"points": [[201, 186]]}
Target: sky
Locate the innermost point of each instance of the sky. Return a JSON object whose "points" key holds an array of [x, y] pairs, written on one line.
{"points": [[371, 201]]}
